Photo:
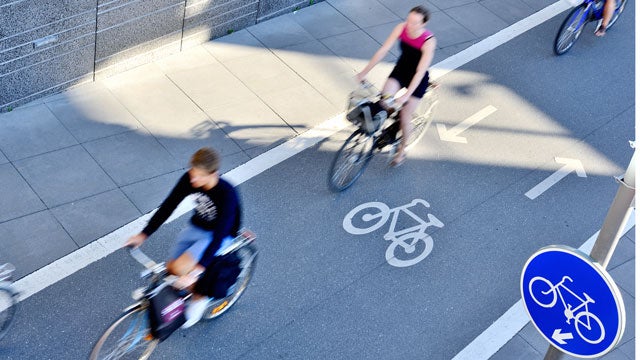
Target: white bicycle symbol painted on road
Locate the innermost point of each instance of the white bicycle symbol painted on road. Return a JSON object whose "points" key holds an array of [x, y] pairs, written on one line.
{"points": [[405, 240], [583, 320]]}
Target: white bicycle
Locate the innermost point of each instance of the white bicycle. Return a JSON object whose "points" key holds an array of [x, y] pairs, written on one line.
{"points": [[404, 241], [547, 296]]}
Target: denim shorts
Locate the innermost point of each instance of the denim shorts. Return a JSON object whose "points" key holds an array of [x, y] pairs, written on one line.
{"points": [[195, 241]]}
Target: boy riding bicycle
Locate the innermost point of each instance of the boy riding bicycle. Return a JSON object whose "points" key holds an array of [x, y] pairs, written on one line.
{"points": [[214, 223]]}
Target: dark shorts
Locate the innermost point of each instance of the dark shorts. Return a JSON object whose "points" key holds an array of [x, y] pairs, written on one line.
{"points": [[404, 78]]}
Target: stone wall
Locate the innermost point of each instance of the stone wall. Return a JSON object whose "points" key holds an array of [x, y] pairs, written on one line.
{"points": [[49, 45]]}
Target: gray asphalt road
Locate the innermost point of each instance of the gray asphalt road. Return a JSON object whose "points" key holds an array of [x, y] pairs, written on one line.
{"points": [[322, 292]]}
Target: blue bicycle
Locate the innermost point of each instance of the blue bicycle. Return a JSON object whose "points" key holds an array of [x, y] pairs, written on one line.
{"points": [[587, 11]]}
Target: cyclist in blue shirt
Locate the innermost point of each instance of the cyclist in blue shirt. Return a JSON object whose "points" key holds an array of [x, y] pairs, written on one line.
{"points": [[215, 221], [417, 45]]}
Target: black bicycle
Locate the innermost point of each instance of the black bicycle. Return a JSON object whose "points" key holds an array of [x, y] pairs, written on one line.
{"points": [[378, 129], [131, 337]]}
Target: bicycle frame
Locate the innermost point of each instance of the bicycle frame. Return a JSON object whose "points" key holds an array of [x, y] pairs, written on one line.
{"points": [[568, 310], [422, 226]]}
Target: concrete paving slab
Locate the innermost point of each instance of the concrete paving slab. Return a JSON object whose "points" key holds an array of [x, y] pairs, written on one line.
{"points": [[52, 175], [323, 20], [448, 4], [449, 32], [20, 200], [533, 337], [380, 33], [148, 194], [95, 216], [33, 241], [211, 86], [252, 124], [624, 276], [93, 116], [629, 348], [264, 73], [477, 19], [445, 52], [194, 136], [232, 161], [258, 150], [30, 131], [167, 113], [235, 46], [616, 354], [188, 59], [280, 32], [517, 349], [509, 11], [302, 107], [318, 66], [401, 7], [133, 156], [365, 13], [630, 310], [537, 5], [358, 56], [625, 251]]}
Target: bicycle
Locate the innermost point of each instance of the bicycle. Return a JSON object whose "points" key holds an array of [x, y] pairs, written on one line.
{"points": [[586, 11], [130, 336], [8, 299], [369, 111], [581, 325], [405, 240]]}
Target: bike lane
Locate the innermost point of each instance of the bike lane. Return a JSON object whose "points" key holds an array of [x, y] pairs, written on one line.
{"points": [[321, 292]]}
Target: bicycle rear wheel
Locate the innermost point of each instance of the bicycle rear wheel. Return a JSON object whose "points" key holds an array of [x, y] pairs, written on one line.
{"points": [[616, 14], [570, 30], [423, 117], [351, 160], [8, 307], [129, 337], [248, 256]]}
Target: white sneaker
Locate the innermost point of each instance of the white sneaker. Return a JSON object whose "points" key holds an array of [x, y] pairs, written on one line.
{"points": [[194, 312]]}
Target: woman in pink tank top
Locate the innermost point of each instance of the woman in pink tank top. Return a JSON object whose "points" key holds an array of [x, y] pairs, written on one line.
{"points": [[417, 45]]}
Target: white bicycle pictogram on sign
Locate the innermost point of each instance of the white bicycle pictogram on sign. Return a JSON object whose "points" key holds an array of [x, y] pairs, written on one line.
{"points": [[584, 321], [404, 240]]}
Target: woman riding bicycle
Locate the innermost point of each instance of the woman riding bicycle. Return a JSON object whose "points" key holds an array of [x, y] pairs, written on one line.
{"points": [[417, 45], [215, 221]]}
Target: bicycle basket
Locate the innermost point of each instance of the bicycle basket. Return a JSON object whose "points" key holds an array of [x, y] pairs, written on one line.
{"points": [[368, 116]]}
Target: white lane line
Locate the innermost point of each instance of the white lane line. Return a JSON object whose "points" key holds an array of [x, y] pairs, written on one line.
{"points": [[58, 270], [512, 321]]}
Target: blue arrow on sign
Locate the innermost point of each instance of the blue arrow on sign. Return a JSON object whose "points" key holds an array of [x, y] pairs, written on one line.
{"points": [[572, 301]]}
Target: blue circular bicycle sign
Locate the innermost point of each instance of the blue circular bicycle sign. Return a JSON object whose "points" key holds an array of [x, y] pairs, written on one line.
{"points": [[572, 301]]}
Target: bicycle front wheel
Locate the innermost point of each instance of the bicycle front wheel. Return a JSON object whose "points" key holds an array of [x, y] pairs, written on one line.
{"points": [[129, 337], [570, 30], [248, 256], [351, 160], [8, 307], [616, 14], [422, 119]]}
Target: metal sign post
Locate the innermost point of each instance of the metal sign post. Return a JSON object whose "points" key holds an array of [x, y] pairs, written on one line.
{"points": [[611, 229]]}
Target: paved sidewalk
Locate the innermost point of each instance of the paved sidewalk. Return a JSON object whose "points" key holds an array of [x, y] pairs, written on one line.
{"points": [[77, 165]]}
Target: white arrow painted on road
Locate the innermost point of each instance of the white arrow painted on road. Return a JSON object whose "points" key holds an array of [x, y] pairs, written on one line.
{"points": [[561, 337], [570, 166], [453, 134]]}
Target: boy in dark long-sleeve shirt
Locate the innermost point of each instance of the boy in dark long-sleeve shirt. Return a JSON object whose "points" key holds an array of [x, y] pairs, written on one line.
{"points": [[215, 221]]}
